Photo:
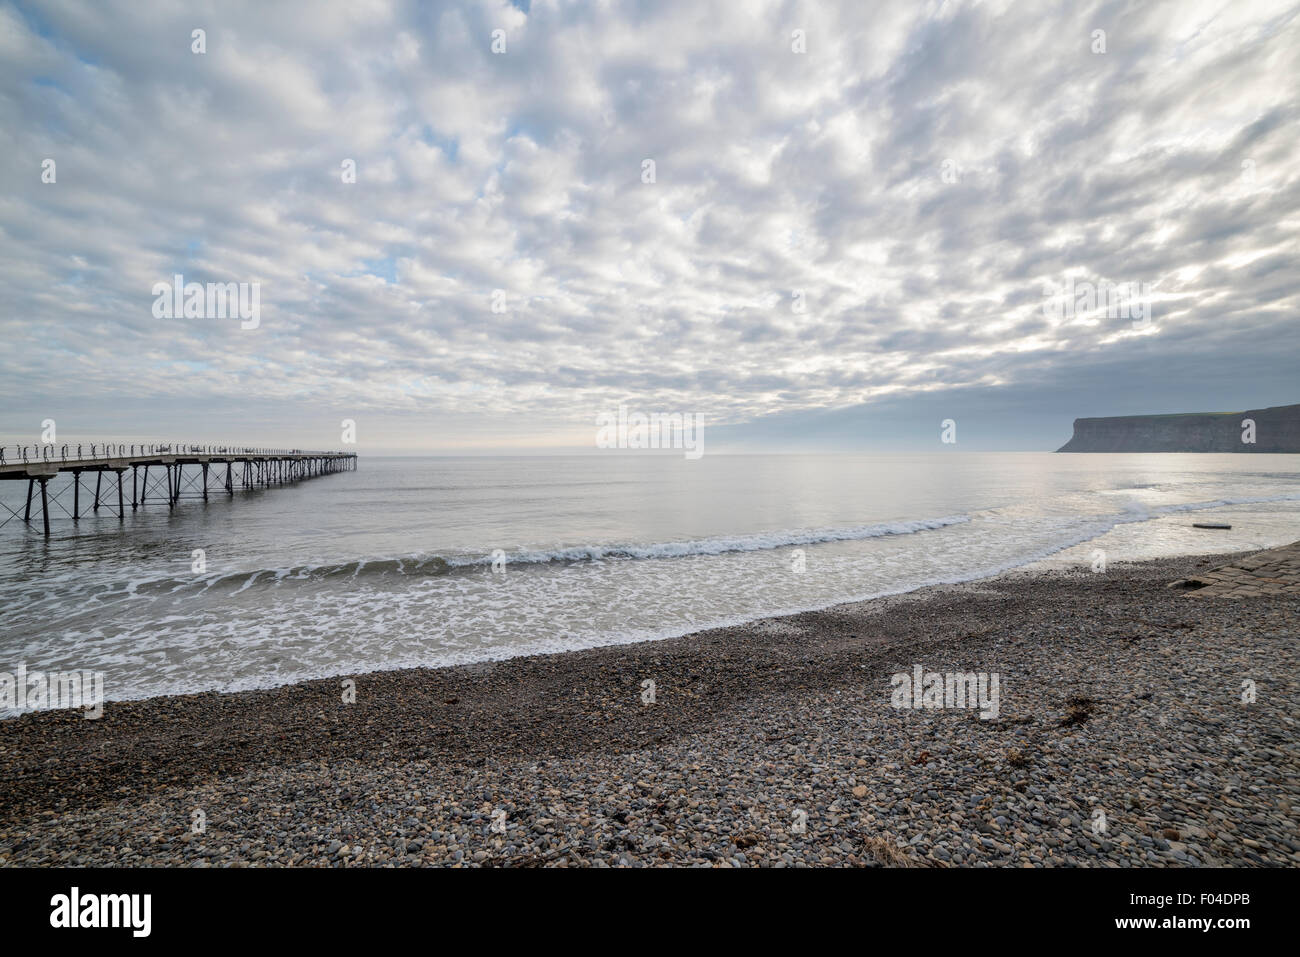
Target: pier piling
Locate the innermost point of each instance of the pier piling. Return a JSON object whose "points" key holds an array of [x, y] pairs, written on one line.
{"points": [[45, 505], [262, 468]]}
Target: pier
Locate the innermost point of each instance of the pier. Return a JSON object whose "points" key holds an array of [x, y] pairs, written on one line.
{"points": [[229, 467]]}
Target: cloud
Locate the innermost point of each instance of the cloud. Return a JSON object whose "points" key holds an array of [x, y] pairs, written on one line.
{"points": [[913, 180]]}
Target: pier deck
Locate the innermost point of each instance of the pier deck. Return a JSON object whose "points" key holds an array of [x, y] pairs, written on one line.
{"points": [[245, 467]]}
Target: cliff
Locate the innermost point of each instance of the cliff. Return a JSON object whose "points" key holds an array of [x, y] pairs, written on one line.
{"points": [[1277, 429]]}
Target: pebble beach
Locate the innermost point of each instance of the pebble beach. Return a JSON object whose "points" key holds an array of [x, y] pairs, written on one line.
{"points": [[1139, 724]]}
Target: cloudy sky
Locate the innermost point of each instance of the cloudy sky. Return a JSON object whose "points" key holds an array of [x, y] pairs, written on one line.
{"points": [[854, 213]]}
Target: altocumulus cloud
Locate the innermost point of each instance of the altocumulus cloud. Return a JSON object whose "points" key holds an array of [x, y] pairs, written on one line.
{"points": [[868, 223]]}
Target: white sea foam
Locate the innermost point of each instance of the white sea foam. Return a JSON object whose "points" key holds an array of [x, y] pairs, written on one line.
{"points": [[762, 541]]}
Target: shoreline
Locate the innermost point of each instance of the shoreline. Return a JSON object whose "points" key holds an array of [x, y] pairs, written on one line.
{"points": [[750, 724], [1054, 560]]}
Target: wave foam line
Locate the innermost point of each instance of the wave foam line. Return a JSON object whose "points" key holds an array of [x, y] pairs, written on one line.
{"points": [[760, 541], [414, 565]]}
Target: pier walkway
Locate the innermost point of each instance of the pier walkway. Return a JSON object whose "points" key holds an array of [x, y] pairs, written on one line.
{"points": [[244, 468]]}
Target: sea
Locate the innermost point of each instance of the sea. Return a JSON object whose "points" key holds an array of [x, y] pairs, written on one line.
{"points": [[438, 561]]}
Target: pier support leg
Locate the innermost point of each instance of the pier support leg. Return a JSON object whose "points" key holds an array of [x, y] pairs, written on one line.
{"points": [[144, 486], [27, 516], [230, 488], [135, 475], [121, 513], [99, 477], [45, 507], [76, 496], [205, 481]]}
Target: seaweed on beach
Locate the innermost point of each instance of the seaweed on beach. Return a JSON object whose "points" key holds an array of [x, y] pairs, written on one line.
{"points": [[1078, 709], [886, 853]]}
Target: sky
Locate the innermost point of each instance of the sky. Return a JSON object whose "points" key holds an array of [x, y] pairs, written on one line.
{"points": [[475, 227]]}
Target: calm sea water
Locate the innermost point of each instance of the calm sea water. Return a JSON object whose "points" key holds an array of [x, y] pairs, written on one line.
{"points": [[392, 565]]}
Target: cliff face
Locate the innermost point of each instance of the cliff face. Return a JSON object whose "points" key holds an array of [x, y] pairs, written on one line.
{"points": [[1276, 430]]}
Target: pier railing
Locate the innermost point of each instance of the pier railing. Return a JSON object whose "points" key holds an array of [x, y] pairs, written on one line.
{"points": [[258, 467], [69, 452]]}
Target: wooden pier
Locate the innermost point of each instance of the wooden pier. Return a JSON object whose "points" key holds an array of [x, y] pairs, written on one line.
{"points": [[244, 468]]}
